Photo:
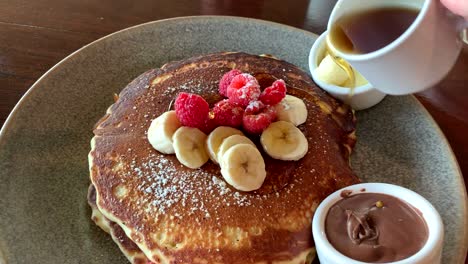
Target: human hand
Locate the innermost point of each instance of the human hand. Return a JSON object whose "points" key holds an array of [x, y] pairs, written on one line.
{"points": [[459, 7]]}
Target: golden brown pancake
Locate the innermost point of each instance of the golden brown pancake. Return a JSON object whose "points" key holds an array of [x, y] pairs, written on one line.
{"points": [[178, 215], [126, 245]]}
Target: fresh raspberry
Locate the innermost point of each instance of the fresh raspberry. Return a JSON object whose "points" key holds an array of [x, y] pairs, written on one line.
{"points": [[243, 89], [256, 122], [227, 113], [255, 107], [274, 94], [192, 110], [210, 125], [226, 80]]}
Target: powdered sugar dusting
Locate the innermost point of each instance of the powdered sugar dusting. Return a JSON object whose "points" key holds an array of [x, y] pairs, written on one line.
{"points": [[164, 183], [254, 105], [192, 86]]}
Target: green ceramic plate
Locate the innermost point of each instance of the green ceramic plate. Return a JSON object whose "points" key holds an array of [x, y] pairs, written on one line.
{"points": [[44, 217]]}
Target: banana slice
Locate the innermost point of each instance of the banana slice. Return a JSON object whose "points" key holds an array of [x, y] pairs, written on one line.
{"points": [[292, 109], [232, 141], [330, 72], [243, 167], [161, 131], [216, 137], [282, 140], [189, 147]]}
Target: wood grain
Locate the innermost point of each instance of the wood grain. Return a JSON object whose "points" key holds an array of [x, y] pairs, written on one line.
{"points": [[448, 105], [35, 35]]}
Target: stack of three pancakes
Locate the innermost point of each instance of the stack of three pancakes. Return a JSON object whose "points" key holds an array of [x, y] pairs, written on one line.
{"points": [[159, 211]]}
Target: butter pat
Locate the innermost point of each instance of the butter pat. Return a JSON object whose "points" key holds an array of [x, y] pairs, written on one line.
{"points": [[360, 80], [330, 72]]}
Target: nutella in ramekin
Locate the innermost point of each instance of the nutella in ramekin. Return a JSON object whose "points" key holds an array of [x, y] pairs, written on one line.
{"points": [[377, 223], [375, 227]]}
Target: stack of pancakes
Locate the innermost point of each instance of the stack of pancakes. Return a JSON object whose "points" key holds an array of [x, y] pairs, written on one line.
{"points": [[158, 210]]}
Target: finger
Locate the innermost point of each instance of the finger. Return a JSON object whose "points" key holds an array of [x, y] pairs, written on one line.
{"points": [[459, 7]]}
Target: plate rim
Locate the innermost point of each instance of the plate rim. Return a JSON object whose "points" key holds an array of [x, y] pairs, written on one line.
{"points": [[454, 161], [452, 158]]}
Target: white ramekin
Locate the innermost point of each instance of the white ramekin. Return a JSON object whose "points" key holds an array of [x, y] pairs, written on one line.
{"points": [[364, 96], [430, 253]]}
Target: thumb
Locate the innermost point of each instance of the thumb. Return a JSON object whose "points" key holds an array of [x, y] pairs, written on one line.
{"points": [[459, 7]]}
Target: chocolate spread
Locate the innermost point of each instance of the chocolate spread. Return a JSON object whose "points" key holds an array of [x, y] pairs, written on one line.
{"points": [[372, 227]]}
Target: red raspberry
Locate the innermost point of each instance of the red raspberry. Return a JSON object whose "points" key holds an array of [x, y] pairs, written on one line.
{"points": [[256, 122], [274, 94], [210, 125], [243, 89], [192, 110], [226, 80], [227, 113], [255, 107]]}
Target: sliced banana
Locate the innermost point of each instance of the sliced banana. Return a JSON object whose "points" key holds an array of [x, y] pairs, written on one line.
{"points": [[189, 147], [292, 109], [282, 140], [330, 72], [216, 137], [243, 167], [232, 141], [161, 131]]}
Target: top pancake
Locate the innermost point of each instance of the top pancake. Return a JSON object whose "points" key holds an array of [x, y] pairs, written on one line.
{"points": [[179, 215]]}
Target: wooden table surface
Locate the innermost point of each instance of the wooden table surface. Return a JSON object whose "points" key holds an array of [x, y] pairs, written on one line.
{"points": [[35, 35]]}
